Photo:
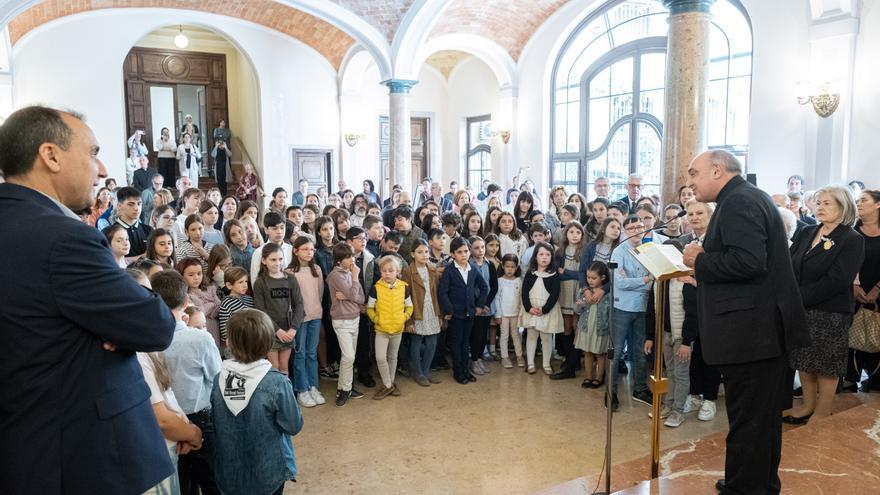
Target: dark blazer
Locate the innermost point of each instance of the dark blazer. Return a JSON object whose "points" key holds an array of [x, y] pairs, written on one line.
{"points": [[749, 304], [459, 299], [826, 276], [74, 418]]}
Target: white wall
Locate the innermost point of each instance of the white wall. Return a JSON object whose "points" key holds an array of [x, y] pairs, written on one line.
{"points": [[865, 148], [297, 87]]}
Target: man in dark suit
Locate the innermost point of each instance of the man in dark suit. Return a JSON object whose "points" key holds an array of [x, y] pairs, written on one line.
{"points": [[75, 412], [633, 191], [750, 316]]}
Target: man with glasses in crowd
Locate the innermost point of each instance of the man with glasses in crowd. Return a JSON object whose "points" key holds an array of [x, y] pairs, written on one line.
{"points": [[633, 191]]}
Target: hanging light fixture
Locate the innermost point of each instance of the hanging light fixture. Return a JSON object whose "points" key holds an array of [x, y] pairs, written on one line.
{"points": [[181, 41]]}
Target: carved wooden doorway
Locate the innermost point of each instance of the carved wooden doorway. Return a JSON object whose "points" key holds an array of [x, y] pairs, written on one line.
{"points": [[149, 71]]}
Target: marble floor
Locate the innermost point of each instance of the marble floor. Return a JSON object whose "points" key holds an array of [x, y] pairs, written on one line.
{"points": [[508, 433]]}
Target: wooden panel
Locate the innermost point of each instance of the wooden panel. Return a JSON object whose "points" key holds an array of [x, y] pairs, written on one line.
{"points": [[199, 69]]}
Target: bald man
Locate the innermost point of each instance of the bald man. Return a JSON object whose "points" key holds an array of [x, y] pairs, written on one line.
{"points": [[750, 315]]}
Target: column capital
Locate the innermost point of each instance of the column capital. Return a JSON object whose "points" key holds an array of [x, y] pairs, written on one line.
{"points": [[688, 6], [399, 85]]}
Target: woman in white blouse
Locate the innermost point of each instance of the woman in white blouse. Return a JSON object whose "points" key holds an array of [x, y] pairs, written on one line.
{"points": [[188, 158]]}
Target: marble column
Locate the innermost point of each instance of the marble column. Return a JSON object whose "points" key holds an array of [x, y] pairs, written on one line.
{"points": [[687, 81], [400, 154]]}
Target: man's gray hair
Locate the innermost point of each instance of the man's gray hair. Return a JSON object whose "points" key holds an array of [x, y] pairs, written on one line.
{"points": [[726, 160], [636, 176]]}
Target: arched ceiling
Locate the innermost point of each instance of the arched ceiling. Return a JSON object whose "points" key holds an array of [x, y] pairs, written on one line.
{"points": [[384, 15], [508, 23], [324, 37]]}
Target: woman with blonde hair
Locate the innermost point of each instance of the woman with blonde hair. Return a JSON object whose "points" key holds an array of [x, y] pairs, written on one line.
{"points": [[826, 259]]}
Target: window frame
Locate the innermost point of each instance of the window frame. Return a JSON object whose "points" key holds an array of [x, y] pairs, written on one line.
{"points": [[471, 150]]}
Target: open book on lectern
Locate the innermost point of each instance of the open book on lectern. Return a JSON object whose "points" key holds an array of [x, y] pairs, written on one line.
{"points": [[663, 261]]}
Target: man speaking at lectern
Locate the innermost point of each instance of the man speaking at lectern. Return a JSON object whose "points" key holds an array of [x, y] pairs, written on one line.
{"points": [[750, 315]]}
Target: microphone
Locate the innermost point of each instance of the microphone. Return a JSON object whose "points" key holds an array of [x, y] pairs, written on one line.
{"points": [[681, 214]]}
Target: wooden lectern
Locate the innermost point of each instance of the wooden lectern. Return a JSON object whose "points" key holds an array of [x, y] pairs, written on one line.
{"points": [[664, 263]]}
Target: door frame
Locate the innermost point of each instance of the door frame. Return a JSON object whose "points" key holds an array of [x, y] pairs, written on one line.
{"points": [[294, 173]]}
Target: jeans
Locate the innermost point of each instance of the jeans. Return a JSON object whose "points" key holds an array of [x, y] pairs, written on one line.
{"points": [[420, 358], [679, 374], [458, 333], [347, 335], [629, 328], [305, 362], [387, 345]]}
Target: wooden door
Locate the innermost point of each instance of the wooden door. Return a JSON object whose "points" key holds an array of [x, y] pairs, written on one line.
{"points": [[313, 166], [420, 146]]}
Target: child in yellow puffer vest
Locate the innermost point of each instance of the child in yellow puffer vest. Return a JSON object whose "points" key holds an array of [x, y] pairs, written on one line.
{"points": [[389, 306]]}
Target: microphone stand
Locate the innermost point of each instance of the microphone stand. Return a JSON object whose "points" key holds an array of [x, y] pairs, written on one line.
{"points": [[612, 362]]}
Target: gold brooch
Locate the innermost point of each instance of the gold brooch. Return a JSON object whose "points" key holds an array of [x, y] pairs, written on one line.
{"points": [[828, 243]]}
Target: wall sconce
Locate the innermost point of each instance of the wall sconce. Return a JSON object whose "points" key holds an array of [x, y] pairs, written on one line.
{"points": [[504, 135], [352, 139], [824, 101]]}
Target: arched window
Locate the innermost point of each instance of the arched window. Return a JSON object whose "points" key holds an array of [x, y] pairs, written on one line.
{"points": [[609, 89]]}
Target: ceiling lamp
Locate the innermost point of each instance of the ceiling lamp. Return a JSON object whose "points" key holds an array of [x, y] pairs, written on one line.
{"points": [[181, 41]]}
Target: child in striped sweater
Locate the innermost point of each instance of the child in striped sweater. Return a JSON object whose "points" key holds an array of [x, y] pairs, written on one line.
{"points": [[236, 281]]}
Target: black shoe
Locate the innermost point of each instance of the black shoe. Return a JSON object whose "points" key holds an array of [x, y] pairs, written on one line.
{"points": [[719, 485], [798, 393], [793, 420], [328, 374], [561, 375], [851, 388], [615, 404], [355, 394], [471, 378], [644, 397], [621, 367], [403, 371], [342, 397], [367, 381], [462, 381]]}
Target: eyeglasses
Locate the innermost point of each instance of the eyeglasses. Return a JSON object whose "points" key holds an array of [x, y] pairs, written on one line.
{"points": [[359, 238], [637, 186]]}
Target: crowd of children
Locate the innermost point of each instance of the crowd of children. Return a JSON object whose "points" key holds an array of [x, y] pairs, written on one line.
{"points": [[266, 310]]}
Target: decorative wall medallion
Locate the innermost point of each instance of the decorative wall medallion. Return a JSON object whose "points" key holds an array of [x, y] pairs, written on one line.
{"points": [[175, 66]]}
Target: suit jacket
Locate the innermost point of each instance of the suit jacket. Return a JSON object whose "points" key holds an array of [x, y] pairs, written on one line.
{"points": [[459, 299], [74, 418], [749, 305], [826, 276]]}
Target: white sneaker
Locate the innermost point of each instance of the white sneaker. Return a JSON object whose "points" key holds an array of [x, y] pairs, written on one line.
{"points": [[316, 396], [675, 419], [664, 412], [692, 404], [305, 399], [483, 366], [707, 411]]}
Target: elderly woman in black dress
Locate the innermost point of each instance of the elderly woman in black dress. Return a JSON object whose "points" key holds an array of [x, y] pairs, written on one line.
{"points": [[826, 258]]}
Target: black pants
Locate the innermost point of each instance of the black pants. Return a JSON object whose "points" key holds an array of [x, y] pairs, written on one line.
{"points": [[564, 343], [572, 359], [458, 334], [858, 361], [754, 413], [479, 336], [705, 379], [196, 470], [362, 361], [220, 172], [441, 352], [168, 170]]}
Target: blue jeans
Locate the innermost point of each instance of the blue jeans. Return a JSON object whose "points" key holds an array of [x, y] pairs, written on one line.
{"points": [[305, 361], [629, 328], [419, 359]]}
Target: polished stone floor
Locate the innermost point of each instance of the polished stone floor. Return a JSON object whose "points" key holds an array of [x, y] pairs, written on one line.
{"points": [[508, 433]]}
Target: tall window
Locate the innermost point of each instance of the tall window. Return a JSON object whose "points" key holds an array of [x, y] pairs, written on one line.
{"points": [[479, 150], [608, 94]]}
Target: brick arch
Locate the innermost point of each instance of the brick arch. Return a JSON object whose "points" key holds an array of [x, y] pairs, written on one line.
{"points": [[326, 39], [510, 24], [384, 15]]}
